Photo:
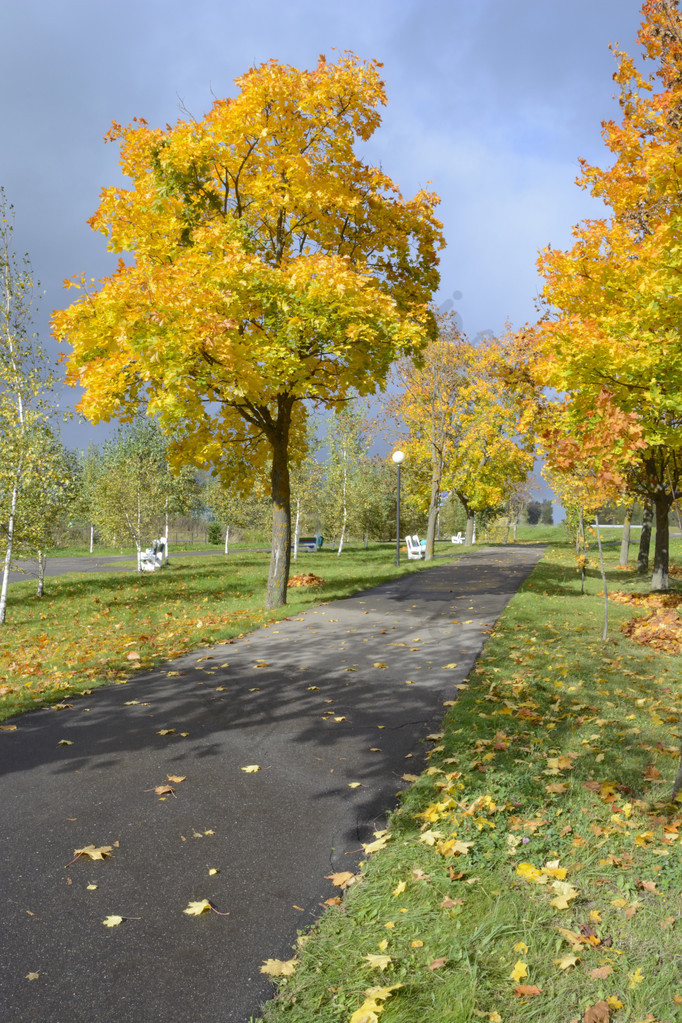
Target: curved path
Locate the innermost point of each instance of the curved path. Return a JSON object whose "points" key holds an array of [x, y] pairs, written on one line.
{"points": [[318, 702]]}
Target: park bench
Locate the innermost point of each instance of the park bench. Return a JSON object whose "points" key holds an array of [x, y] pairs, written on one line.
{"points": [[414, 547], [310, 543], [154, 556], [459, 538]]}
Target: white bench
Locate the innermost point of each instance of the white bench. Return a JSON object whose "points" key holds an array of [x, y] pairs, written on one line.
{"points": [[154, 556], [459, 538], [414, 547]]}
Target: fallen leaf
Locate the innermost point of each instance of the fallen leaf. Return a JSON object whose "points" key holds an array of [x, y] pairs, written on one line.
{"points": [[601, 973], [354, 784], [598, 1013], [197, 908], [112, 921], [449, 665], [132, 656], [164, 790], [343, 879], [615, 1003], [519, 972], [65, 742], [635, 979], [213, 870], [566, 962], [94, 852], [557, 787], [399, 888], [527, 990], [176, 778], [166, 731], [92, 887], [251, 768], [378, 962], [378, 664], [32, 976], [437, 963], [417, 943], [372, 847], [279, 967], [8, 728]]}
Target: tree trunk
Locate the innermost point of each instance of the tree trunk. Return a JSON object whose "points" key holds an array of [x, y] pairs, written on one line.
{"points": [[8, 554], [42, 561], [436, 472], [92, 537], [298, 508], [345, 504], [470, 535], [625, 540], [659, 579], [227, 539], [276, 595], [645, 538], [603, 579]]}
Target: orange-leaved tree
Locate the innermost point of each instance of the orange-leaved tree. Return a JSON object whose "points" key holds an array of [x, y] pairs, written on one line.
{"points": [[272, 270], [616, 305]]}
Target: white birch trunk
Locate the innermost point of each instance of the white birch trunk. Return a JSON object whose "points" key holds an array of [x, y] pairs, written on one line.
{"points": [[42, 562], [345, 509], [8, 555], [92, 537], [227, 539], [298, 509]]}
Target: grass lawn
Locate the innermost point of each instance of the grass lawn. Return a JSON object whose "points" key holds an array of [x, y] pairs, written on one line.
{"points": [[533, 872], [94, 628]]}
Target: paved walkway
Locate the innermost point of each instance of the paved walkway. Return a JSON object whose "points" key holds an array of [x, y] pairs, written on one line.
{"points": [[318, 701]]}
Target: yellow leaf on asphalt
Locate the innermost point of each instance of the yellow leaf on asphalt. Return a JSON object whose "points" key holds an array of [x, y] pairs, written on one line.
{"points": [[343, 879], [166, 731], [251, 768], [449, 665], [94, 852], [32, 976], [372, 847], [197, 908], [519, 972], [279, 967], [212, 871], [354, 784], [112, 921], [378, 664], [65, 742], [92, 887], [176, 778]]}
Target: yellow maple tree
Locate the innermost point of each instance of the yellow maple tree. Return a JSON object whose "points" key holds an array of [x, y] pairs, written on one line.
{"points": [[270, 268]]}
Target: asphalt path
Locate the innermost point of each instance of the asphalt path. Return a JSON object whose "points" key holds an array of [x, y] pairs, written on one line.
{"points": [[319, 702]]}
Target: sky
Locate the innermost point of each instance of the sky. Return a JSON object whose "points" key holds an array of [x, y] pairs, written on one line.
{"points": [[492, 102]]}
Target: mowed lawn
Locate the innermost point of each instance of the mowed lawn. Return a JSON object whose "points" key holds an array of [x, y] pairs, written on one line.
{"points": [[533, 872], [95, 628]]}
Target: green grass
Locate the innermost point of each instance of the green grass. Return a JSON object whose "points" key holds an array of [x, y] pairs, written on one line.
{"points": [[82, 632], [547, 705]]}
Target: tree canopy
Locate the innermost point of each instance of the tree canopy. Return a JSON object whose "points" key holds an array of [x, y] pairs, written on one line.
{"points": [[270, 266]]}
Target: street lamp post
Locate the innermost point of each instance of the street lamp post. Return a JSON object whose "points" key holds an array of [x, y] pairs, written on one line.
{"points": [[398, 458]]}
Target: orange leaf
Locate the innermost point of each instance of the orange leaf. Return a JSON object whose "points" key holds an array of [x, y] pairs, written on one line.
{"points": [[527, 990]]}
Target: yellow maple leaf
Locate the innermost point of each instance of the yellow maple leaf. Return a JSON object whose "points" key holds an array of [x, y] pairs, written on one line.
{"points": [[380, 843], [635, 978], [112, 921], [342, 879], [279, 967], [521, 947], [197, 908], [32, 976], [614, 1002], [94, 852], [399, 888], [519, 972], [378, 962], [566, 962], [251, 769], [530, 873]]}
